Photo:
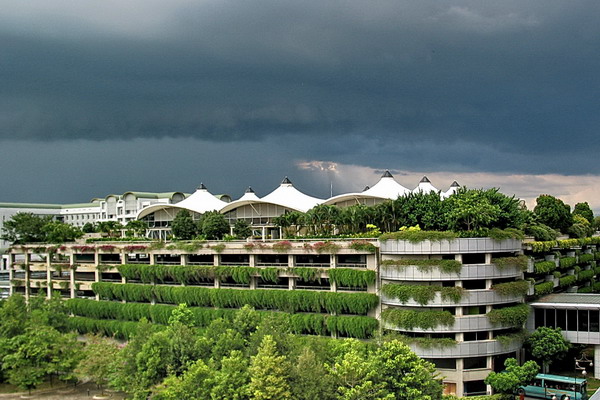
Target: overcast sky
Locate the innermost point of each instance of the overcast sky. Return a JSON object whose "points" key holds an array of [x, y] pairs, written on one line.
{"points": [[100, 97]]}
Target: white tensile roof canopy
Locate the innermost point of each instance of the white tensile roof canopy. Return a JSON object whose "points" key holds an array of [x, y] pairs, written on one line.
{"points": [[199, 202]]}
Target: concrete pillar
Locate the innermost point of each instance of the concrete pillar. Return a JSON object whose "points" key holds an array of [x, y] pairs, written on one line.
{"points": [[488, 258], [332, 261], [216, 260], [123, 257], [252, 260], [152, 259], [72, 279], [183, 259], [291, 261], [11, 273], [96, 258]]}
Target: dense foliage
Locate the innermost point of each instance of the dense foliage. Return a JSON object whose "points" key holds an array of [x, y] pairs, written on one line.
{"points": [[547, 345]]}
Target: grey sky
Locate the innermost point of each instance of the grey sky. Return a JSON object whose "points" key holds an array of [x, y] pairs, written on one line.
{"points": [[154, 95]]}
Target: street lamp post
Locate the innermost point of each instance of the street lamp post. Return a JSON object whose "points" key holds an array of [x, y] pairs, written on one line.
{"points": [[580, 365]]}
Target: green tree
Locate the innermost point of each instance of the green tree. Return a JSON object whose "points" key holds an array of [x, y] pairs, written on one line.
{"points": [[136, 228], [406, 375], [231, 381], [214, 225], [471, 210], [110, 228], [242, 229], [513, 376], [553, 212], [13, 316], [190, 386], [269, 379], [183, 226], [25, 228], [547, 345], [310, 380], [88, 227], [355, 375], [98, 356], [59, 232], [585, 211]]}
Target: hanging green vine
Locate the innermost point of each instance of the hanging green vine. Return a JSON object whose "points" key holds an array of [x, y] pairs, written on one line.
{"points": [[351, 277], [422, 294], [445, 266], [307, 274], [269, 274], [520, 261], [283, 300], [509, 316], [410, 319]]}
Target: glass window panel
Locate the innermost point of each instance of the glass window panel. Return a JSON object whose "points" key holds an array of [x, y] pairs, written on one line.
{"points": [[583, 324], [571, 320], [550, 320], [594, 321], [561, 319]]}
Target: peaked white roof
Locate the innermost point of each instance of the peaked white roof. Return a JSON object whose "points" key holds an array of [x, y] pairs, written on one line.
{"points": [[248, 195], [200, 202], [386, 188], [287, 195], [453, 189], [425, 186]]}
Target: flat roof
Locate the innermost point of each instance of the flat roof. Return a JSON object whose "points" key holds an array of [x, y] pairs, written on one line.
{"points": [[30, 205], [569, 300]]}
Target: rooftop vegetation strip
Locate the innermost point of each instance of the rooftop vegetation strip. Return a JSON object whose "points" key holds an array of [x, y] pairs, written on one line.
{"points": [[422, 294], [509, 316], [546, 246], [422, 319], [445, 266], [282, 300], [301, 323]]}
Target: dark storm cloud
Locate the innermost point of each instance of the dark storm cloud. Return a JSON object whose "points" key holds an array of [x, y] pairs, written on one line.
{"points": [[443, 84]]}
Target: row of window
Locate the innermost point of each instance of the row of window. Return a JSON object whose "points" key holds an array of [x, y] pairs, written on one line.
{"points": [[569, 320]]}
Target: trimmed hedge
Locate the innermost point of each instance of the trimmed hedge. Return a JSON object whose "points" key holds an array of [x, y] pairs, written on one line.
{"points": [[585, 258], [282, 300], [567, 262], [586, 275], [567, 280], [303, 323]]}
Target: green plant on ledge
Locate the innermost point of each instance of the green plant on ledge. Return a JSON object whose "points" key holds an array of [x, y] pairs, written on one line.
{"points": [[520, 261], [567, 280], [567, 262], [416, 236], [543, 288], [543, 267], [445, 266], [509, 316], [516, 288], [306, 274], [218, 248], [349, 277], [422, 294], [423, 342], [423, 319]]}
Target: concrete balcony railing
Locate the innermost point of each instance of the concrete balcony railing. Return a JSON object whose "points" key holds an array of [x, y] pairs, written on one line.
{"points": [[467, 272], [467, 323], [467, 349], [469, 298], [455, 246]]}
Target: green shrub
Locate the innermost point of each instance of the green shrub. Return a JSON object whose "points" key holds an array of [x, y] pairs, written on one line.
{"points": [[543, 288], [509, 316], [586, 275], [520, 261], [416, 236], [585, 258], [516, 288], [422, 294], [567, 280], [544, 267], [567, 262]]}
